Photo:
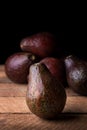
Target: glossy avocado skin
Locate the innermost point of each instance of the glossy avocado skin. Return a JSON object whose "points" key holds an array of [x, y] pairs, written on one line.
{"points": [[46, 97], [76, 71], [17, 66], [43, 44], [56, 67]]}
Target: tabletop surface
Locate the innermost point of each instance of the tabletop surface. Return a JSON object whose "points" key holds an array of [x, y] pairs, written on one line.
{"points": [[15, 115]]}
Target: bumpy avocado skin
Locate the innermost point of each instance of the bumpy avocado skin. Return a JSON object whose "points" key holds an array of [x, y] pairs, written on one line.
{"points": [[76, 71], [46, 97], [43, 44]]}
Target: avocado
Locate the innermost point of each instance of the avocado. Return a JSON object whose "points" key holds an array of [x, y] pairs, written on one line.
{"points": [[76, 73], [17, 66], [46, 96], [43, 44], [56, 67]]}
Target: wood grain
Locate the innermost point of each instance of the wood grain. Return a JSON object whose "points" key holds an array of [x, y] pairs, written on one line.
{"points": [[31, 122], [2, 68], [4, 78], [12, 90], [13, 105], [15, 115], [18, 105]]}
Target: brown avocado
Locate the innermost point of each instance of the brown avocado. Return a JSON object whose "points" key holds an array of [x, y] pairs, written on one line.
{"points": [[46, 96]]}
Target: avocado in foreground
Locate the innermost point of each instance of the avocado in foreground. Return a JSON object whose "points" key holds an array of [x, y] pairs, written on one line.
{"points": [[46, 96]]}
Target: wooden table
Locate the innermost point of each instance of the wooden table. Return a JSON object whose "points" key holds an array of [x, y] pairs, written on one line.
{"points": [[15, 115]]}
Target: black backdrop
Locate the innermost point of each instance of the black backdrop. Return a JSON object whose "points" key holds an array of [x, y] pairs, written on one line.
{"points": [[17, 23], [72, 43]]}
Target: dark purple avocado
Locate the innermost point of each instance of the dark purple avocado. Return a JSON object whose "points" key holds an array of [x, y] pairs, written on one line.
{"points": [[43, 44], [56, 67], [76, 73], [17, 66]]}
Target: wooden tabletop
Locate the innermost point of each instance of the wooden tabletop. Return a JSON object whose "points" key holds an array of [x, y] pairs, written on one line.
{"points": [[15, 115]]}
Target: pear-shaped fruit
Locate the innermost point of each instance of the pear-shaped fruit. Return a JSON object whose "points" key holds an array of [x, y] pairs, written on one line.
{"points": [[43, 44], [76, 73], [56, 67], [46, 97], [17, 66]]}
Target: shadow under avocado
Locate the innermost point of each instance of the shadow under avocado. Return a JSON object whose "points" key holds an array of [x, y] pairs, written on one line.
{"points": [[65, 117]]}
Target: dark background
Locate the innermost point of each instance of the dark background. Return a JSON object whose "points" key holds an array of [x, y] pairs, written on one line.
{"points": [[17, 23], [71, 43]]}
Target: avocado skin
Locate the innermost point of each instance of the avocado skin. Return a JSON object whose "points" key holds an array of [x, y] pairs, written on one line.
{"points": [[17, 66], [76, 72], [46, 96], [57, 68], [43, 44]]}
